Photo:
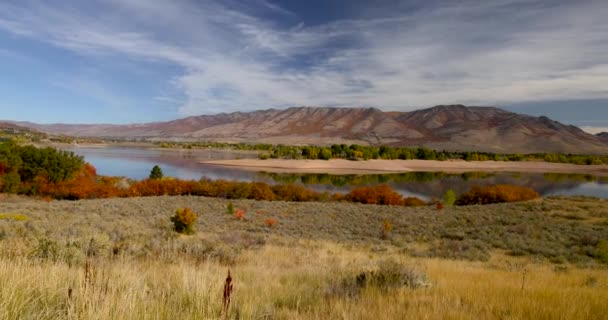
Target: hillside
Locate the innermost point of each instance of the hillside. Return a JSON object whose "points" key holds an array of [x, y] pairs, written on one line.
{"points": [[453, 127], [603, 136]]}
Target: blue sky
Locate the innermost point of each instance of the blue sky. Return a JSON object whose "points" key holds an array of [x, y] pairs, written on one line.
{"points": [[124, 61]]}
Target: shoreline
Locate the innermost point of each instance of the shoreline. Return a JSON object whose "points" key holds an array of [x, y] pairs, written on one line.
{"points": [[341, 166]]}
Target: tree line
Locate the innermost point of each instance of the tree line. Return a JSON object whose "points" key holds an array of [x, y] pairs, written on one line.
{"points": [[360, 152]]}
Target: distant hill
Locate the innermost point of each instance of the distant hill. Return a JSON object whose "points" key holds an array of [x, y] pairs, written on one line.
{"points": [[449, 127], [10, 129], [603, 136]]}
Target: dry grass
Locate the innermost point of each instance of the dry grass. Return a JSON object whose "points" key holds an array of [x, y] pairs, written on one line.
{"points": [[278, 282], [140, 269]]}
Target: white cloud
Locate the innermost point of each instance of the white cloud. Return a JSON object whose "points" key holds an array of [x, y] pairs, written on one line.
{"points": [[493, 52], [594, 130]]}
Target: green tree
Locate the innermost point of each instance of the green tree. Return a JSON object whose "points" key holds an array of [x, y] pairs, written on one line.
{"points": [[156, 173], [325, 154]]}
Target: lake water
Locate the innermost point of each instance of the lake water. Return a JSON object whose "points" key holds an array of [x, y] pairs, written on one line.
{"points": [[136, 163]]}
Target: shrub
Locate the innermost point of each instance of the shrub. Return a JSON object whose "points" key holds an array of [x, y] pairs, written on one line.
{"points": [[261, 191], [389, 275], [156, 173], [230, 208], [292, 192], [239, 214], [449, 198], [381, 194], [387, 227], [270, 222], [46, 249], [184, 220], [496, 194]]}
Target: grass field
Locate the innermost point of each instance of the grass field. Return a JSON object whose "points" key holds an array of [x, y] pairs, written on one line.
{"points": [[120, 259]]}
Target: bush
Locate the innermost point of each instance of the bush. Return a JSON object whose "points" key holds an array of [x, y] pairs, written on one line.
{"points": [[261, 191], [496, 194], [270, 222], [184, 220], [382, 194], [230, 208], [387, 227], [240, 214], [449, 198], [389, 275]]}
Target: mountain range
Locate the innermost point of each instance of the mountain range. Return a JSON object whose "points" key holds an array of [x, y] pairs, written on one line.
{"points": [[446, 127]]}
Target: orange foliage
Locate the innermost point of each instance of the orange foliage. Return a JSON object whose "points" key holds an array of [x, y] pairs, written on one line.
{"points": [[439, 205], [270, 222], [184, 220], [292, 192], [158, 187], [239, 214], [381, 194], [497, 194], [261, 191]]}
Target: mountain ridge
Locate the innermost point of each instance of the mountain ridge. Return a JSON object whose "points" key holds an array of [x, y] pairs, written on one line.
{"points": [[448, 127]]}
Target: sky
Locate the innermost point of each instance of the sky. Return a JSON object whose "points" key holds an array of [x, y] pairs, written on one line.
{"points": [[133, 61]]}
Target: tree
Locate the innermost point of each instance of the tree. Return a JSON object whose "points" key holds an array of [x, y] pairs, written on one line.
{"points": [[156, 173]]}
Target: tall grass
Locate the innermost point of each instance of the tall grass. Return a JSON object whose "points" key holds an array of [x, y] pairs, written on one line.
{"points": [[281, 282]]}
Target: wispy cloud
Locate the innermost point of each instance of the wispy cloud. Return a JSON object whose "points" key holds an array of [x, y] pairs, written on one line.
{"points": [[492, 52]]}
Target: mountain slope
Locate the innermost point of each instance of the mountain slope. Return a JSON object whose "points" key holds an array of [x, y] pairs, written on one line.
{"points": [[603, 136], [453, 127]]}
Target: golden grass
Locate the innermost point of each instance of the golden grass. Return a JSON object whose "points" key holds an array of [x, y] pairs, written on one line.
{"points": [[292, 282], [139, 268]]}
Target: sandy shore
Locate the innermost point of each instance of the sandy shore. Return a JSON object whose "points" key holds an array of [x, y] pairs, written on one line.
{"points": [[339, 166]]}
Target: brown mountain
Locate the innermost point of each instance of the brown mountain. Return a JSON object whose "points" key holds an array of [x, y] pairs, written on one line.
{"points": [[453, 127], [603, 136]]}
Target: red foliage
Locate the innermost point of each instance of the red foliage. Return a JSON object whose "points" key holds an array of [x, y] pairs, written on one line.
{"points": [[439, 205], [270, 222], [497, 194], [239, 214], [291, 192], [381, 194], [158, 187]]}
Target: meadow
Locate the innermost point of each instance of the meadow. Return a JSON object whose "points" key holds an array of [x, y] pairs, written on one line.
{"points": [[120, 258]]}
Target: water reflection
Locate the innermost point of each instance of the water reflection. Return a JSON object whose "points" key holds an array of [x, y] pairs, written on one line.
{"points": [[136, 163]]}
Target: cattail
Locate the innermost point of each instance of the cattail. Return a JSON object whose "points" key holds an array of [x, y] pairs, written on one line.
{"points": [[227, 292]]}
